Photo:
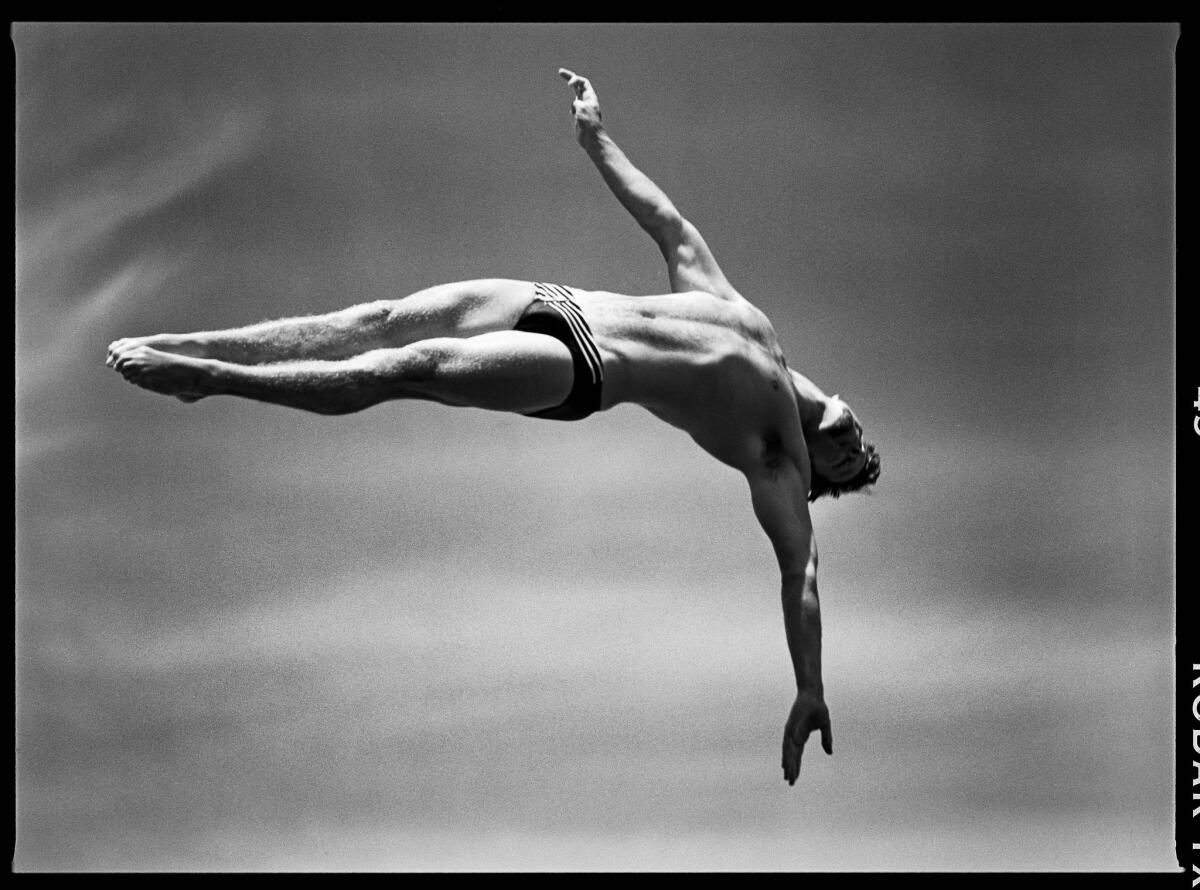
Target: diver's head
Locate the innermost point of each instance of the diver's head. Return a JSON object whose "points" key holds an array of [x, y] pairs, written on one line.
{"points": [[841, 460]]}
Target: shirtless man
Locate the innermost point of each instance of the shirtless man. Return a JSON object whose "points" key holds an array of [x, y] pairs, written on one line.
{"points": [[701, 358]]}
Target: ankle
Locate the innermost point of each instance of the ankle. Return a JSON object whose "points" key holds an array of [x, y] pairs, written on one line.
{"points": [[212, 377]]}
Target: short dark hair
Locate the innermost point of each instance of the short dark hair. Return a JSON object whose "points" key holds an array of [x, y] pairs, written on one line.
{"points": [[866, 476]]}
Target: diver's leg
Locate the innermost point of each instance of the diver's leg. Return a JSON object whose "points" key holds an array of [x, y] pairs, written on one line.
{"points": [[501, 371], [460, 309]]}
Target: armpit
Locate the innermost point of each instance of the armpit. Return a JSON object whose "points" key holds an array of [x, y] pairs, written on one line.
{"points": [[773, 456]]}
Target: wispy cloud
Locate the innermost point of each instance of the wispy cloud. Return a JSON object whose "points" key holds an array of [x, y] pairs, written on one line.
{"points": [[96, 201]]}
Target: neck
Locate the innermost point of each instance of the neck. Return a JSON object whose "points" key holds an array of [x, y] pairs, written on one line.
{"points": [[812, 402]]}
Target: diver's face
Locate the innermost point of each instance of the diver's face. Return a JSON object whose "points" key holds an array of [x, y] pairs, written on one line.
{"points": [[836, 449]]}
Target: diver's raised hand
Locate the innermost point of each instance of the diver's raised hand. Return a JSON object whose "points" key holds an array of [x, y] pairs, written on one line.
{"points": [[586, 107]]}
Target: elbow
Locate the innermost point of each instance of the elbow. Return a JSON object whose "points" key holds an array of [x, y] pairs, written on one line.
{"points": [[797, 563], [799, 577], [800, 580], [667, 227], [801, 599], [794, 576]]}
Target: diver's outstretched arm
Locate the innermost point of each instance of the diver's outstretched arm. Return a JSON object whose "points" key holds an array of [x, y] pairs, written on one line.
{"points": [[690, 263], [781, 507]]}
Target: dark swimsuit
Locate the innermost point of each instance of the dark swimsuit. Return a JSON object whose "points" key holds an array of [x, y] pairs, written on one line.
{"points": [[554, 312]]}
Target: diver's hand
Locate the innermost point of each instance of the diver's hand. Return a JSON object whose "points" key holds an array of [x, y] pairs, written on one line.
{"points": [[808, 713], [586, 107]]}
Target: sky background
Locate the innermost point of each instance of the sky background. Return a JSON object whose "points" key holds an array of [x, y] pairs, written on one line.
{"points": [[431, 638]]}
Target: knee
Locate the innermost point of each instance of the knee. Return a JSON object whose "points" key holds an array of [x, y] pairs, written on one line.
{"points": [[405, 373], [367, 315], [400, 371]]}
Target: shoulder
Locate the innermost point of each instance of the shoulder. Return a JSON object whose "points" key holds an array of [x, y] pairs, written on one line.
{"points": [[765, 443]]}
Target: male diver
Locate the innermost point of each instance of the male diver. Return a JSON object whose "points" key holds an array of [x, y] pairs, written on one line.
{"points": [[702, 358]]}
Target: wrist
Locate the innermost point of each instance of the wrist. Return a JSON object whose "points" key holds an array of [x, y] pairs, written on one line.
{"points": [[590, 134]]}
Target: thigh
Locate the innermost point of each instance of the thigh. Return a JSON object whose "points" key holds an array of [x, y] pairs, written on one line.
{"points": [[458, 309], [513, 371]]}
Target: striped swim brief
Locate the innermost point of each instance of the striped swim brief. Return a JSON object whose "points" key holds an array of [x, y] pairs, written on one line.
{"points": [[554, 312]]}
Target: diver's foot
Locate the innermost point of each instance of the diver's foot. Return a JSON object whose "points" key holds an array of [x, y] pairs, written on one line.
{"points": [[185, 378], [178, 344]]}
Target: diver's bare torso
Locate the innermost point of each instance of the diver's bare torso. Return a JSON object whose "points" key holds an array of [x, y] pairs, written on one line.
{"points": [[709, 366]]}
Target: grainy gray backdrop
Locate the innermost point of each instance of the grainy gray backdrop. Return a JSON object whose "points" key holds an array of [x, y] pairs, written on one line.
{"points": [[421, 638]]}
